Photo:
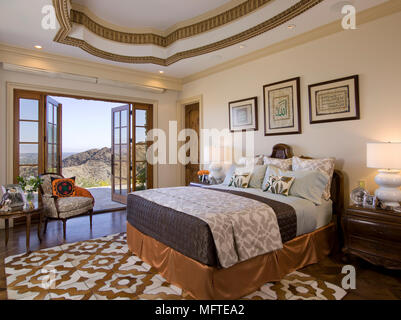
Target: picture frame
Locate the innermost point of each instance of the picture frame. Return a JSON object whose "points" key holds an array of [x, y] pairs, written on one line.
{"points": [[282, 107], [15, 195], [334, 100], [243, 115], [369, 201]]}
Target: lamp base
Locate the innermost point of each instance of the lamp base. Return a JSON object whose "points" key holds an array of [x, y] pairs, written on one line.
{"points": [[389, 192]]}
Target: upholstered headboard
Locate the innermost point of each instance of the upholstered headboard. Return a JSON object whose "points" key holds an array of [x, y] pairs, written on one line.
{"points": [[283, 151]]}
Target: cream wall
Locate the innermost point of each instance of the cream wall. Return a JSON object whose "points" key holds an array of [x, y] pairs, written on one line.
{"points": [[166, 108], [373, 51]]}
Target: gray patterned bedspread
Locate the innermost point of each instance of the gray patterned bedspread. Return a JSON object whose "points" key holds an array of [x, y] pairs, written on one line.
{"points": [[214, 227]]}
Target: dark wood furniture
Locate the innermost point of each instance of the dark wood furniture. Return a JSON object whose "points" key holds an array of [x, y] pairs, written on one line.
{"points": [[373, 235], [27, 214]]}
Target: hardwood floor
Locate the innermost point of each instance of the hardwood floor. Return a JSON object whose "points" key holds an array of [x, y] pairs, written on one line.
{"points": [[371, 282]]}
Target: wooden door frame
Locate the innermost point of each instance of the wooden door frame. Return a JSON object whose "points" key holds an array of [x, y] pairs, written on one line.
{"points": [[72, 93], [181, 104]]}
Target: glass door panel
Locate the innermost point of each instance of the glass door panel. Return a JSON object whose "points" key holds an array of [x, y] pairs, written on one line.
{"points": [[120, 157], [141, 124], [53, 136], [27, 134]]}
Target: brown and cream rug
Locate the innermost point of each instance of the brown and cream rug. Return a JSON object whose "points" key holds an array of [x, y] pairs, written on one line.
{"points": [[105, 269]]}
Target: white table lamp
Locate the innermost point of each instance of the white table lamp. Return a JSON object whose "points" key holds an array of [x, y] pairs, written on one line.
{"points": [[387, 158]]}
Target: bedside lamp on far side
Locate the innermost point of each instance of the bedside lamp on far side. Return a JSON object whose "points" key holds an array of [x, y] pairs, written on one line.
{"points": [[387, 158]]}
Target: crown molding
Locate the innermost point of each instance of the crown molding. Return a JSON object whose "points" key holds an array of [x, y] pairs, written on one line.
{"points": [[160, 38], [371, 14], [164, 33], [65, 20], [62, 64]]}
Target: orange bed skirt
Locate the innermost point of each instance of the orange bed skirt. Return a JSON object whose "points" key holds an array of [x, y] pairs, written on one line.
{"points": [[209, 283]]}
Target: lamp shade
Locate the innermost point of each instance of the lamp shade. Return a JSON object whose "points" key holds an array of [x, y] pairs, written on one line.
{"points": [[383, 155]]}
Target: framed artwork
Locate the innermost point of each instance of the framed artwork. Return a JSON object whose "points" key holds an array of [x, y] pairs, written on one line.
{"points": [[282, 107], [243, 114], [335, 100]]}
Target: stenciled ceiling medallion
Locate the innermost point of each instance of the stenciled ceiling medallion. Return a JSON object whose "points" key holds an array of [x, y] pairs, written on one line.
{"points": [[68, 16]]}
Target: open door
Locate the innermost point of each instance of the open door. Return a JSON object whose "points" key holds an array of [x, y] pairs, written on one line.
{"points": [[53, 156], [120, 153]]}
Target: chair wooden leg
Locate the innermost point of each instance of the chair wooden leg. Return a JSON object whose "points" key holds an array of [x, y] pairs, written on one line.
{"points": [[64, 227], [90, 218], [46, 221]]}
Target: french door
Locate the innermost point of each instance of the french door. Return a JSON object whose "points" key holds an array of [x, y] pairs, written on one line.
{"points": [[37, 134], [130, 169]]}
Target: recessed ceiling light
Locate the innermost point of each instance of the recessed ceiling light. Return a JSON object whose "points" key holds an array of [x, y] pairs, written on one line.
{"points": [[38, 47], [291, 26], [161, 71], [242, 46]]}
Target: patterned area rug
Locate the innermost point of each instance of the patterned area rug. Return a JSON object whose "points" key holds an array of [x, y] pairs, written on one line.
{"points": [[105, 269]]}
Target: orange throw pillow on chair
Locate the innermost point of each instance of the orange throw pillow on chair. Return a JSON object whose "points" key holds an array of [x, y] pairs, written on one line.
{"points": [[81, 192], [63, 188]]}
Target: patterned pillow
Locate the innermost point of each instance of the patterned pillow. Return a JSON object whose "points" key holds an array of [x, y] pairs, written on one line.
{"points": [[325, 165], [63, 188], [251, 161], [284, 164], [279, 185], [240, 180]]}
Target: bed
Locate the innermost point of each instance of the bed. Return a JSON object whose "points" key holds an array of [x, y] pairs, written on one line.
{"points": [[167, 229]]}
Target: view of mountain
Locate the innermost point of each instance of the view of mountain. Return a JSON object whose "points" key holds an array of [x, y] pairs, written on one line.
{"points": [[90, 168]]}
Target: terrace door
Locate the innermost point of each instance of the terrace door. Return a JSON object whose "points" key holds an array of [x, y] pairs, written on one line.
{"points": [[120, 155]]}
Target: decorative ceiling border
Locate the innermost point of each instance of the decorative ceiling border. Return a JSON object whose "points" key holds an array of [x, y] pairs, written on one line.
{"points": [[63, 9], [181, 33]]}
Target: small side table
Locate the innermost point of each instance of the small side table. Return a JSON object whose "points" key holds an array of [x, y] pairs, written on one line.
{"points": [[27, 213], [373, 235]]}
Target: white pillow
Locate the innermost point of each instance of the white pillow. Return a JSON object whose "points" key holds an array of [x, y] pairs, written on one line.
{"points": [[284, 164], [325, 165]]}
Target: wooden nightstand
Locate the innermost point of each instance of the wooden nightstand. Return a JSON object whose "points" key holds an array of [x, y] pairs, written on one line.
{"points": [[373, 235]]}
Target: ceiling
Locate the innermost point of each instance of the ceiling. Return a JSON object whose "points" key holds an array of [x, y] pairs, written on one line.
{"points": [[20, 25], [154, 14]]}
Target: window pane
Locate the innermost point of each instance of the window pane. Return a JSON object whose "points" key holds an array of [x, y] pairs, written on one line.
{"points": [[124, 169], [117, 167], [27, 172], [117, 136], [49, 113], [140, 117], [29, 109], [124, 186], [28, 131], [140, 152], [50, 133], [141, 175], [124, 152], [55, 134], [124, 115], [51, 158], [140, 135], [124, 134], [116, 152], [28, 153], [55, 115], [116, 119], [117, 185]]}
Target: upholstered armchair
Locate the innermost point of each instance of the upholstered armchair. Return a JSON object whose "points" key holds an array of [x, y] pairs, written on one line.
{"points": [[64, 208]]}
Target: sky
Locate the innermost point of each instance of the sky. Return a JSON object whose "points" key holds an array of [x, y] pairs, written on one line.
{"points": [[86, 124]]}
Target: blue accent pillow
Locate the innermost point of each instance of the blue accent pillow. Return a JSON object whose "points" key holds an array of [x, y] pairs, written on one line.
{"points": [[308, 184]]}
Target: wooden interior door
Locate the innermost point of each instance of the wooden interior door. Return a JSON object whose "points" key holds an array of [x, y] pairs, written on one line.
{"points": [[120, 154], [192, 122]]}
